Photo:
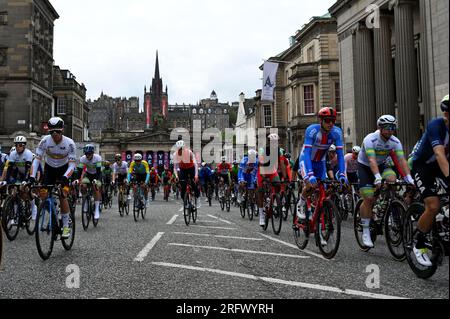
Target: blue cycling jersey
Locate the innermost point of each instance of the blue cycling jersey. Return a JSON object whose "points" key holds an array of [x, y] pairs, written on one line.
{"points": [[317, 143], [436, 134], [205, 172], [247, 169]]}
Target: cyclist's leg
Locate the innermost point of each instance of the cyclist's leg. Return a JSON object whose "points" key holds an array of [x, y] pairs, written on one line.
{"points": [[260, 200]]}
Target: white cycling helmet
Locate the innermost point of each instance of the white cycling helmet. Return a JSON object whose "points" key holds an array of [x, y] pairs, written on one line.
{"points": [[138, 157], [273, 137], [180, 144], [387, 120], [20, 140], [223, 159], [252, 153], [356, 149], [332, 148], [203, 164]]}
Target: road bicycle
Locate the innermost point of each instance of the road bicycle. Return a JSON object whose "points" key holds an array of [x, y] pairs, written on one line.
{"points": [[139, 207], [224, 196], [272, 206], [345, 199], [322, 219], [122, 200], [88, 208], [189, 204], [49, 226], [437, 241], [248, 203], [388, 214], [107, 195]]}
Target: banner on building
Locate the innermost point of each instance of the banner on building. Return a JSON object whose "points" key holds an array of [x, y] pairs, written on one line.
{"points": [[269, 81]]}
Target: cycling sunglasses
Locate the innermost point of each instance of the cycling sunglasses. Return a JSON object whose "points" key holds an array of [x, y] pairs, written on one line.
{"points": [[20, 145], [329, 121], [390, 127], [55, 132]]}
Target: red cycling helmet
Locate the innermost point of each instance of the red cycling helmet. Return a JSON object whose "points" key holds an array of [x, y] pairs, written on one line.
{"points": [[327, 112]]}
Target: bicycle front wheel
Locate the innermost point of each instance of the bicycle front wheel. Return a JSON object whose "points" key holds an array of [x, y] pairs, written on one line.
{"points": [[187, 209], [10, 218], [328, 229], [393, 229], [194, 211], [85, 213], [68, 243], [277, 214], [45, 230]]}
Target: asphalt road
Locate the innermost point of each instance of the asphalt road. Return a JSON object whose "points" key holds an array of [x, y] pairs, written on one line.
{"points": [[222, 256]]}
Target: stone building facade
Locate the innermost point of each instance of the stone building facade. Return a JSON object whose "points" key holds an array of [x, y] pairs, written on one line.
{"points": [[26, 66], [70, 104], [393, 60]]}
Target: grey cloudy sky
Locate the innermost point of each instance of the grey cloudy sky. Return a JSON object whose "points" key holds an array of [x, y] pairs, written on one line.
{"points": [[203, 45]]}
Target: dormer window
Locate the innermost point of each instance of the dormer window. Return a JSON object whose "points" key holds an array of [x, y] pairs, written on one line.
{"points": [[201, 111], [194, 111]]}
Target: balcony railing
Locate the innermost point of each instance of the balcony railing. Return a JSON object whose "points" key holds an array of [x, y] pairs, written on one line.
{"points": [[305, 69]]}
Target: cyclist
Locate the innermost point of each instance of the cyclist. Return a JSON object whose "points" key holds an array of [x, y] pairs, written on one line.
{"points": [[430, 167], [107, 177], [154, 180], [332, 163], [224, 170], [234, 176], [351, 165], [206, 176], [312, 164], [120, 171], [90, 168], [186, 167], [376, 148], [267, 169], [59, 164], [3, 159], [248, 170], [166, 178], [18, 167], [141, 172]]}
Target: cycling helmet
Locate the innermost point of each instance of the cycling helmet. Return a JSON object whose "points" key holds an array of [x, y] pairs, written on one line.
{"points": [[327, 112], [203, 164], [55, 123], [223, 159], [89, 149], [180, 144], [20, 140], [287, 155], [252, 153], [387, 120], [138, 157], [153, 169], [356, 149], [234, 162], [273, 137], [107, 163], [117, 157], [332, 148], [444, 104]]}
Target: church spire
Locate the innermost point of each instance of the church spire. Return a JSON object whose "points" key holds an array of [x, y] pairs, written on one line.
{"points": [[157, 67]]}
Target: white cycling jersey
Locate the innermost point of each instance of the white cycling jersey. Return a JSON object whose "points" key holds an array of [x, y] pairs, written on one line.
{"points": [[58, 155], [19, 160], [351, 165], [374, 145], [122, 169], [91, 165]]}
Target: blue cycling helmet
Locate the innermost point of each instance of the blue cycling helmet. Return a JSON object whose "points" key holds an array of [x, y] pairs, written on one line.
{"points": [[89, 149]]}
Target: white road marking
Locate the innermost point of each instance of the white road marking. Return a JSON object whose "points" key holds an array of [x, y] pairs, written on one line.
{"points": [[239, 250], [283, 282], [306, 251], [144, 252], [219, 236], [170, 222], [222, 220], [225, 228], [181, 209]]}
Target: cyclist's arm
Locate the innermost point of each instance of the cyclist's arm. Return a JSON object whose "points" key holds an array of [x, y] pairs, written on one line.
{"points": [[147, 171], [340, 152], [72, 161], [27, 169], [99, 173], [309, 140], [9, 166], [195, 165], [371, 156], [442, 160], [130, 170]]}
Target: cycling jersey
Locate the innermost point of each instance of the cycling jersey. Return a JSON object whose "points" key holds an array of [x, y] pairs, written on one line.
{"points": [[205, 173], [21, 162], [224, 168], [122, 169], [184, 161], [375, 146], [247, 171], [351, 163], [436, 134], [92, 166], [316, 146], [139, 169], [57, 155], [154, 177]]}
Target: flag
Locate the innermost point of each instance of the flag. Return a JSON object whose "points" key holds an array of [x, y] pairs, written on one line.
{"points": [[269, 81]]}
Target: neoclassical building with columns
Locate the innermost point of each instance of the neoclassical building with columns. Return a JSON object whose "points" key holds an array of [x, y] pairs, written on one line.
{"points": [[393, 60]]}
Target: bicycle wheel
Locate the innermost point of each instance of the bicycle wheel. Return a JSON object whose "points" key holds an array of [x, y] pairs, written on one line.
{"points": [[121, 205], [228, 204], [94, 221], [136, 207], [30, 224], [393, 229], [222, 203], [268, 215], [347, 206], [187, 208], [45, 230], [85, 212], [328, 228], [358, 228], [286, 206], [250, 210], [409, 229], [68, 242], [1, 246], [301, 232], [243, 208], [277, 215], [10, 218], [194, 211]]}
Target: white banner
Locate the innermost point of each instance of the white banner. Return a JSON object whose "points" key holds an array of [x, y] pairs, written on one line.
{"points": [[269, 81]]}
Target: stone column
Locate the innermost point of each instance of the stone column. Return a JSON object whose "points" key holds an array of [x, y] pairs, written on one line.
{"points": [[365, 114], [406, 75], [384, 70], [428, 106]]}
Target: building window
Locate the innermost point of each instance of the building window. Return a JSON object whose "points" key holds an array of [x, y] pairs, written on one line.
{"points": [[267, 116], [3, 18], [310, 54], [3, 55], [337, 96], [194, 111], [308, 99], [201, 111], [61, 106]]}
